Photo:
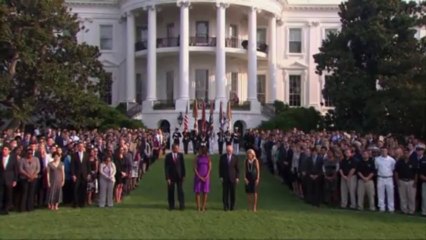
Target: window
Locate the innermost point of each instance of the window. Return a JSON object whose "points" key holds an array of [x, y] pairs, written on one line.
{"points": [[170, 75], [329, 31], [143, 33], [295, 40], [261, 88], [105, 33], [234, 82], [327, 99], [106, 93], [171, 40], [202, 84], [261, 35], [202, 32], [139, 88], [232, 40], [295, 98], [170, 30]]}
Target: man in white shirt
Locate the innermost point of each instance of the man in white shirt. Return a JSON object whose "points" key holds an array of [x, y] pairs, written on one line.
{"points": [[385, 166]]}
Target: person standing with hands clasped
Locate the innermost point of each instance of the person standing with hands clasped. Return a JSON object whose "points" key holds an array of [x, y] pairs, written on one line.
{"points": [[385, 166], [252, 178], [229, 172], [202, 169], [174, 166]]}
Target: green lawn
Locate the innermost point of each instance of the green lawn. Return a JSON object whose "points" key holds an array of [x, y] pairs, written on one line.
{"points": [[144, 214]]}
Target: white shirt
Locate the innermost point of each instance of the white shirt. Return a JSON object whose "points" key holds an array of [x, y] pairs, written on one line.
{"points": [[5, 161], [385, 166]]}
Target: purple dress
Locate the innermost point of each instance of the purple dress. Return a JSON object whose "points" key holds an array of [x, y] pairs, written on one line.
{"points": [[202, 169]]}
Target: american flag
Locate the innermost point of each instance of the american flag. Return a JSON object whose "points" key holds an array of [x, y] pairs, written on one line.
{"points": [[186, 120], [195, 113]]}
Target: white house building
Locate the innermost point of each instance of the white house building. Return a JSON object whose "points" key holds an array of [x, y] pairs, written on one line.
{"points": [[163, 54]]}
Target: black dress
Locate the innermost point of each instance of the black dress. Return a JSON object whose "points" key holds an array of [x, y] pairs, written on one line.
{"points": [[251, 176], [120, 166]]}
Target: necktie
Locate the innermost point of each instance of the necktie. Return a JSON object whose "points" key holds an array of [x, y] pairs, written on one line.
{"points": [[229, 159], [174, 157]]}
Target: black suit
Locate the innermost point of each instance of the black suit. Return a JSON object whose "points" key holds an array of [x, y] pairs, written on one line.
{"points": [[229, 172], [175, 172], [81, 170], [8, 176], [314, 185]]}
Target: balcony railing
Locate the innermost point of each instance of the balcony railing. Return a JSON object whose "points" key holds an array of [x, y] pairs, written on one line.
{"points": [[164, 105], [261, 46], [201, 42]]}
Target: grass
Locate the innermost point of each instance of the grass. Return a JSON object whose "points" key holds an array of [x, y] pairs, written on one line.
{"points": [[144, 214]]}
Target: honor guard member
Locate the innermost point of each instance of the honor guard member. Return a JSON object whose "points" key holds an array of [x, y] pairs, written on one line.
{"points": [[194, 138], [236, 140], [203, 140], [220, 140], [186, 139], [228, 138], [176, 137], [406, 177]]}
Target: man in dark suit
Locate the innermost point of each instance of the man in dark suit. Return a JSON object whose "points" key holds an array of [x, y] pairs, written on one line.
{"points": [[175, 174], [80, 170], [229, 173], [8, 179], [314, 178]]}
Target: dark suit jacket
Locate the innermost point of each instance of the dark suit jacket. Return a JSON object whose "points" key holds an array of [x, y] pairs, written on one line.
{"points": [[314, 169], [9, 174], [229, 172], [80, 169], [175, 171]]}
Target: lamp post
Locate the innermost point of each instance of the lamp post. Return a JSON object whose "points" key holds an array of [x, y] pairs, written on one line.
{"points": [[180, 119]]}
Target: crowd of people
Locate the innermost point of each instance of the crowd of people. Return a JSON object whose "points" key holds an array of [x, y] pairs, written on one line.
{"points": [[43, 169]]}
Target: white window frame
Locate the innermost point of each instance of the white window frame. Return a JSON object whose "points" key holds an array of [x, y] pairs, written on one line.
{"points": [[323, 80], [326, 27], [303, 39], [303, 85], [112, 37]]}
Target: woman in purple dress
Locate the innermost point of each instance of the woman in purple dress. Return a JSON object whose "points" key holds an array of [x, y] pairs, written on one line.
{"points": [[202, 168]]}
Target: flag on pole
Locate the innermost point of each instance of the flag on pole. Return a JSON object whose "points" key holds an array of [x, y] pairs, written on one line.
{"points": [[186, 120], [203, 117], [195, 113], [229, 113], [211, 113], [221, 116]]}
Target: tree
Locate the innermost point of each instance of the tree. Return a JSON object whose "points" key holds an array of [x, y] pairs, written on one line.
{"points": [[377, 67], [45, 74]]}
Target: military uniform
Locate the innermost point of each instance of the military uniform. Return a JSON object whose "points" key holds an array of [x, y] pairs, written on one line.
{"points": [[228, 138], [236, 140], [194, 139], [176, 137], [220, 140], [186, 139]]}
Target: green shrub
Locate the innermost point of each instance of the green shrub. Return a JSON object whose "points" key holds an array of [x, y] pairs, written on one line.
{"points": [[287, 118]]}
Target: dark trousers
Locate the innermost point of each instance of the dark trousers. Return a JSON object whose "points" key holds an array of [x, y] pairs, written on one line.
{"points": [[287, 176], [41, 192], [155, 155], [67, 191], [314, 191], [185, 147], [220, 144], [80, 190], [6, 197], [194, 147], [330, 192], [28, 194], [171, 194], [228, 195]]}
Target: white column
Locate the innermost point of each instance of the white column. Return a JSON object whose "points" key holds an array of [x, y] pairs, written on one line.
{"points": [[152, 55], [130, 59], [181, 102], [220, 55], [252, 61], [272, 57]]}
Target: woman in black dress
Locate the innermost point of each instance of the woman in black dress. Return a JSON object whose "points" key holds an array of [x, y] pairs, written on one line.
{"points": [[252, 178], [120, 175]]}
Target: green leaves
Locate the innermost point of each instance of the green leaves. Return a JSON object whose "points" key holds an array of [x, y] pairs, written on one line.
{"points": [[45, 75], [378, 67]]}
